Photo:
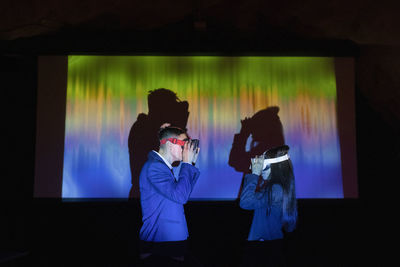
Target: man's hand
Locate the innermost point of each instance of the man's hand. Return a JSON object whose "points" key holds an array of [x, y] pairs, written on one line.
{"points": [[257, 165], [189, 153]]}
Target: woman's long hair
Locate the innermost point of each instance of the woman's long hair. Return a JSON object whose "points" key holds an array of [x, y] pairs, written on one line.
{"points": [[281, 174]]}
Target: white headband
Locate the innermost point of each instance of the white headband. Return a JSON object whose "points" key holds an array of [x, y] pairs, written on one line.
{"points": [[275, 160]]}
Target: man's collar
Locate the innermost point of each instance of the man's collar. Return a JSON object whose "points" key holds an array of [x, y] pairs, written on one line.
{"points": [[166, 162]]}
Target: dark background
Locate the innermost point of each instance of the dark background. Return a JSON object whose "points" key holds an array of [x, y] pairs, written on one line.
{"points": [[347, 232]]}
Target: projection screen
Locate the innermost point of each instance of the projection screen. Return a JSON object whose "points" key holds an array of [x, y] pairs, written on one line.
{"points": [[103, 102]]}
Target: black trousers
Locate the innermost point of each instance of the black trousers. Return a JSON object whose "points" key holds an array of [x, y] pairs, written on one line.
{"points": [[264, 253], [157, 260], [165, 254], [168, 249]]}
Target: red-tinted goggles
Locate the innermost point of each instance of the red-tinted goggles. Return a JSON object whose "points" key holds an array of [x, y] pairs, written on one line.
{"points": [[174, 141]]}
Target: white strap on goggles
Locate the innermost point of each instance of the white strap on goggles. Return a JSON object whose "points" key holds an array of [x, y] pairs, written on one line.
{"points": [[275, 160]]}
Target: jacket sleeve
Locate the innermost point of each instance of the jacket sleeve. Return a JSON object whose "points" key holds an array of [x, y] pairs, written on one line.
{"points": [[162, 179], [249, 199], [188, 170]]}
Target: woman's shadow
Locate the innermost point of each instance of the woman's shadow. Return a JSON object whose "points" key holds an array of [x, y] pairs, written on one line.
{"points": [[164, 107], [265, 130]]}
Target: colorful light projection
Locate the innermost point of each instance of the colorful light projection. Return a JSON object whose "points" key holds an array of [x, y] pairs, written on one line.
{"points": [[105, 95]]}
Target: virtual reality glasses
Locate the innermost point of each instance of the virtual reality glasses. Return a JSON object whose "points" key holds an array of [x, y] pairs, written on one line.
{"points": [[193, 142], [268, 162]]}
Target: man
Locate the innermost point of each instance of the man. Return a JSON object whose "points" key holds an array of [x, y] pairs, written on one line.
{"points": [[143, 136], [164, 231]]}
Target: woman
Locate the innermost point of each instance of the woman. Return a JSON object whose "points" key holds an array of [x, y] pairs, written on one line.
{"points": [[270, 191]]}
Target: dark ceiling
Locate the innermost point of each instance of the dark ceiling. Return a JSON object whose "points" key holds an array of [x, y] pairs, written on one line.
{"points": [[363, 22]]}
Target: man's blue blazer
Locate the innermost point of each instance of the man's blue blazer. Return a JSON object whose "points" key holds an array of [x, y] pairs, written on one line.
{"points": [[162, 198]]}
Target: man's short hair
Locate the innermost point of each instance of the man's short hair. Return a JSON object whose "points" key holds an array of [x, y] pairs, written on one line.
{"points": [[168, 132]]}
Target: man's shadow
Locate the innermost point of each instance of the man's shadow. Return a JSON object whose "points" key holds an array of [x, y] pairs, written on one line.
{"points": [[164, 107], [265, 130]]}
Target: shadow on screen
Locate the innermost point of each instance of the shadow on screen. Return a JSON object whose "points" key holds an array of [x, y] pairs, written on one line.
{"points": [[265, 131], [164, 106]]}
